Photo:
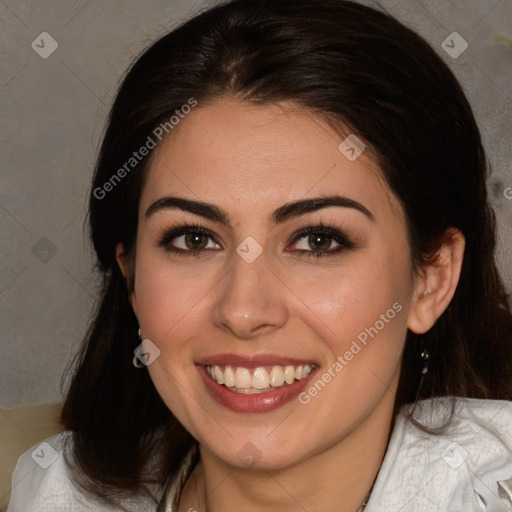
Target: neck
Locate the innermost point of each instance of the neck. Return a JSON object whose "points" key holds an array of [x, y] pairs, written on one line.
{"points": [[337, 478]]}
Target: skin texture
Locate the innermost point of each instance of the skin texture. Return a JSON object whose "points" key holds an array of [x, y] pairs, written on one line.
{"points": [[250, 160]]}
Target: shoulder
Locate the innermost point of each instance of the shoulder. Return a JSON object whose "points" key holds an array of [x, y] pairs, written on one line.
{"points": [[454, 464], [41, 482]]}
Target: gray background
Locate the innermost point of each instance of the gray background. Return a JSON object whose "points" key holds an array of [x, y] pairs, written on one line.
{"points": [[52, 114]]}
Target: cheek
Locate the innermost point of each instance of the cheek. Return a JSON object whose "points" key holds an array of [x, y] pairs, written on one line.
{"points": [[361, 316], [360, 321], [344, 303], [168, 301]]}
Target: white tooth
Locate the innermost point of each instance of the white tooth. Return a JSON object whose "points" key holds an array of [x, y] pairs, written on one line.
{"points": [[298, 372], [249, 391], [242, 378], [260, 378], [229, 377], [306, 370], [289, 374], [219, 376], [209, 369], [276, 376]]}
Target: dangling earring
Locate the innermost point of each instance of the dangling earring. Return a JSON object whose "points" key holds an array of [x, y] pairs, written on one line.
{"points": [[424, 351], [424, 356], [136, 362]]}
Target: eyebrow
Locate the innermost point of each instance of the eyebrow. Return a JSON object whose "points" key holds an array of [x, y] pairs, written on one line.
{"points": [[282, 214]]}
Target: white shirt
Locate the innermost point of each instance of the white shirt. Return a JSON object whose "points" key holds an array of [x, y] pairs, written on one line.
{"points": [[456, 471]]}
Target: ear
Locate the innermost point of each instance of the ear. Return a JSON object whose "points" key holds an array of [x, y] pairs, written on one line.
{"points": [[435, 287], [126, 265]]}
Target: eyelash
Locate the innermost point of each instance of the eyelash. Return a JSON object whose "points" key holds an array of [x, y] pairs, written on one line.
{"points": [[320, 229]]}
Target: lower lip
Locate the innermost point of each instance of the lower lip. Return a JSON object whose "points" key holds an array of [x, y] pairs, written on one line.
{"points": [[255, 402]]}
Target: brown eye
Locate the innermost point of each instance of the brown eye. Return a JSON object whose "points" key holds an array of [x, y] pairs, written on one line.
{"points": [[188, 240], [196, 241], [317, 242], [320, 242]]}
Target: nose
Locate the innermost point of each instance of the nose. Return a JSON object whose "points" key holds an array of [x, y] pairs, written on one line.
{"points": [[251, 300]]}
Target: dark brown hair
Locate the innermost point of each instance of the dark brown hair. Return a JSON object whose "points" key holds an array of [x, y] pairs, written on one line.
{"points": [[357, 67]]}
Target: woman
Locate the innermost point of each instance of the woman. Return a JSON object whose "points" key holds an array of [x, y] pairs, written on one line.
{"points": [[301, 308]]}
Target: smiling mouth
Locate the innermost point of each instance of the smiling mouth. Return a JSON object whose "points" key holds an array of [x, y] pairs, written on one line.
{"points": [[261, 379]]}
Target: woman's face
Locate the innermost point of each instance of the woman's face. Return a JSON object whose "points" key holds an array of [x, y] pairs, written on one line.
{"points": [[245, 287]]}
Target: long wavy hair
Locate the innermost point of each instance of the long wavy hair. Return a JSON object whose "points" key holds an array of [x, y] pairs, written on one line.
{"points": [[357, 68]]}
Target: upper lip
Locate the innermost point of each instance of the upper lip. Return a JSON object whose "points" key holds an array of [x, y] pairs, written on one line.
{"points": [[252, 361]]}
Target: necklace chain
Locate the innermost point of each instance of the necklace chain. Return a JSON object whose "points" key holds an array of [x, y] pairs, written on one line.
{"points": [[365, 501], [362, 507]]}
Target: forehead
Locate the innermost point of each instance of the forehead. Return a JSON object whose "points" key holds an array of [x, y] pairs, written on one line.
{"points": [[241, 154]]}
